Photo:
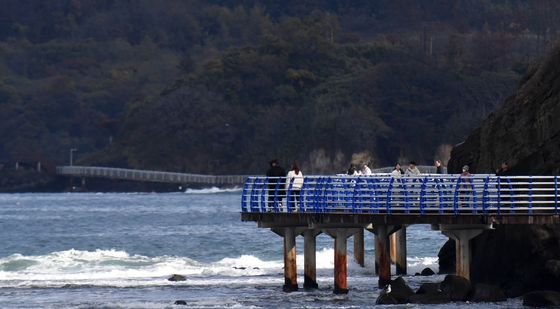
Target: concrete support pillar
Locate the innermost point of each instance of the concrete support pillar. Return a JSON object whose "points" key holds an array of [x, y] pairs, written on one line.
{"points": [[400, 250], [290, 268], [462, 236], [309, 257], [340, 251], [340, 265], [382, 254], [359, 247]]}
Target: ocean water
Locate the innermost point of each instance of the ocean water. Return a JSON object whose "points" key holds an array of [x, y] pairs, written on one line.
{"points": [[95, 250]]}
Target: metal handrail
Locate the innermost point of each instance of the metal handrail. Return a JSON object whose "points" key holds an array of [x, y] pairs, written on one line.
{"points": [[420, 194]]}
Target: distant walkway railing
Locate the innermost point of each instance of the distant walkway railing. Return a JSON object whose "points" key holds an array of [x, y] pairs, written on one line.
{"points": [[423, 194], [149, 176]]}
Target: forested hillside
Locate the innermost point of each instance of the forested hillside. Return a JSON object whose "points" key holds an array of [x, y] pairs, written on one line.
{"points": [[223, 86]]}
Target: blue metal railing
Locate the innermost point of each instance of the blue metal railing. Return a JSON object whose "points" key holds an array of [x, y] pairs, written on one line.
{"points": [[383, 194]]}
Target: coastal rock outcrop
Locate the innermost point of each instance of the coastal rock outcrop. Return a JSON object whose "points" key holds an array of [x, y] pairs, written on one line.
{"points": [[525, 132], [542, 299]]}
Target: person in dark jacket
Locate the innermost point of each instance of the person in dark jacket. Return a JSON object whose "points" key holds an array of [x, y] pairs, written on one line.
{"points": [[439, 168], [276, 180]]}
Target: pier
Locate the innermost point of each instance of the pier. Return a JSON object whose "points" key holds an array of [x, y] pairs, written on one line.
{"points": [[84, 172], [348, 206]]}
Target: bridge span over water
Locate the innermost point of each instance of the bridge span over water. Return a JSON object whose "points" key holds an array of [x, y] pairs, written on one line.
{"points": [[148, 176], [461, 207]]}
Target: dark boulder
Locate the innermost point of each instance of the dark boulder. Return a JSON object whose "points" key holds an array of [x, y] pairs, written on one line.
{"points": [[429, 288], [541, 299], [396, 292], [427, 272], [176, 277], [456, 287], [437, 297], [180, 302], [446, 257], [487, 293]]}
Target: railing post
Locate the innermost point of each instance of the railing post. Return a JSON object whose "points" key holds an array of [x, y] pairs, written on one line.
{"points": [[422, 195], [264, 202], [512, 204], [530, 195], [289, 196], [485, 196], [389, 192], [499, 193], [244, 195], [456, 196], [440, 196], [556, 194], [302, 193]]}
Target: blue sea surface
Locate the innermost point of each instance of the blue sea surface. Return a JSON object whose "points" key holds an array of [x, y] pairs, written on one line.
{"points": [[110, 250]]}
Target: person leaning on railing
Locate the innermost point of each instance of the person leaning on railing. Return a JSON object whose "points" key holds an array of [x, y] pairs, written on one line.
{"points": [[297, 176], [276, 180]]}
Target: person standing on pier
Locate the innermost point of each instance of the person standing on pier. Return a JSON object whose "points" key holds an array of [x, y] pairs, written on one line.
{"points": [[439, 168], [366, 171], [412, 170], [297, 182], [503, 170], [397, 172], [276, 180]]}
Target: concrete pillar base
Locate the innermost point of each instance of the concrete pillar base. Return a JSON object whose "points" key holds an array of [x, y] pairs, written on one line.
{"points": [[309, 259], [359, 247], [462, 236], [340, 266], [382, 252], [290, 268]]}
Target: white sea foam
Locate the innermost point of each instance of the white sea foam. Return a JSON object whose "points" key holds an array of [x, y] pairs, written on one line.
{"points": [[119, 268], [213, 190]]}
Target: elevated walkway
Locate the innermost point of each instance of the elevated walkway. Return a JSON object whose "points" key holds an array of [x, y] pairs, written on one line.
{"points": [[344, 206], [148, 176]]}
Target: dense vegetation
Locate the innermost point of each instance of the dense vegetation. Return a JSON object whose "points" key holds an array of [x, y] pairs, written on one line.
{"points": [[222, 86]]}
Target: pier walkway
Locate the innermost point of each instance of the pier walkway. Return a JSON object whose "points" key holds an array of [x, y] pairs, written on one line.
{"points": [[149, 176], [344, 206]]}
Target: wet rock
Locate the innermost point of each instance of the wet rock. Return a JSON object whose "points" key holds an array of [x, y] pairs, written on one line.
{"points": [[396, 292], [180, 302], [427, 272], [429, 288], [487, 293], [240, 267], [446, 258], [176, 277], [542, 299], [437, 297], [553, 266], [456, 287]]}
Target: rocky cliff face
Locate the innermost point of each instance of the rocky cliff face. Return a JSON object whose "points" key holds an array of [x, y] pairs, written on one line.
{"points": [[525, 131]]}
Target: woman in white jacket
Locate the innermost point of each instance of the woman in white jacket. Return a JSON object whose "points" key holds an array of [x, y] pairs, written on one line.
{"points": [[297, 176]]}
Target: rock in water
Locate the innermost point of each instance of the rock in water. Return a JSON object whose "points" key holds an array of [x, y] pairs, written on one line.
{"points": [[446, 258], [428, 288], [397, 292], [177, 278], [541, 299], [487, 293], [180, 302], [427, 272], [456, 287]]}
